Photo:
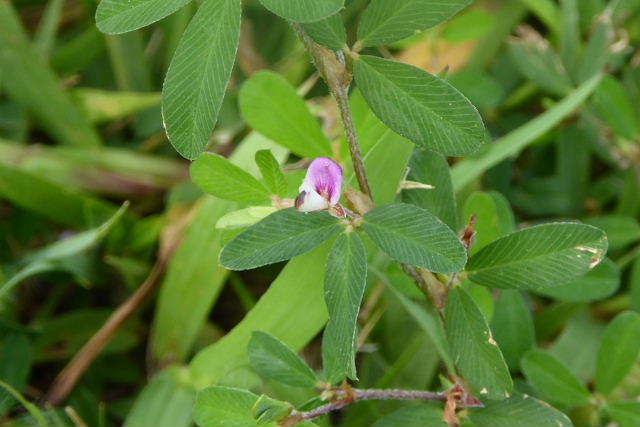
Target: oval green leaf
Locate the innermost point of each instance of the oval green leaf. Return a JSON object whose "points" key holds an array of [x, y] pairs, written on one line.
{"points": [[198, 75], [476, 353], [272, 359], [512, 326], [120, 16], [279, 237], [553, 380], [218, 176], [271, 172], [303, 10], [539, 257], [386, 21], [518, 411], [329, 32], [224, 406], [618, 351], [271, 106], [414, 236], [597, 284], [419, 106], [344, 282]]}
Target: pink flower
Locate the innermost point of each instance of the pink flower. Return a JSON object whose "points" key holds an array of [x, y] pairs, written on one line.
{"points": [[322, 186]]}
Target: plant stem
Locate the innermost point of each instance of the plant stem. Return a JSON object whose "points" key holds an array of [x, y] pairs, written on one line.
{"points": [[356, 395], [333, 70]]}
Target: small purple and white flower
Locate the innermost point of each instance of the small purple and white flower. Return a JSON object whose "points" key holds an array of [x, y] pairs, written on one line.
{"points": [[321, 188]]}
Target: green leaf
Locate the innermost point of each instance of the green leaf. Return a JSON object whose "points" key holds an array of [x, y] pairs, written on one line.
{"points": [[120, 16], [329, 32], [597, 284], [16, 358], [386, 21], [414, 236], [539, 257], [28, 80], [512, 326], [618, 351], [419, 106], [303, 10], [553, 380], [344, 282], [279, 237], [167, 400], [272, 359], [467, 170], [218, 176], [432, 168], [625, 414], [46, 259], [518, 411], [197, 78], [271, 106], [271, 172], [223, 406], [494, 217], [621, 230], [413, 416], [245, 217], [473, 348]]}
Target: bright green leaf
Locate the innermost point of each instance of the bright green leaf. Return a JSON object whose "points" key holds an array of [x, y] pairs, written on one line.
{"points": [[419, 106], [279, 237], [344, 283], [197, 78], [476, 353], [597, 284], [272, 107], [626, 414], [271, 172], [553, 380], [272, 359], [218, 176], [414, 236], [120, 16], [303, 10], [329, 32], [518, 411], [539, 257], [618, 351], [223, 406], [386, 21]]}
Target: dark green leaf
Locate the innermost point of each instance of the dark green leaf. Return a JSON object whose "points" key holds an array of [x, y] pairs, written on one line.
{"points": [[432, 168], [512, 326], [413, 416], [218, 176], [197, 78], [271, 172], [120, 16], [553, 380], [303, 10], [279, 237], [419, 106], [272, 107], [618, 351], [272, 359], [344, 283], [16, 357], [597, 284], [473, 348], [539, 257], [386, 21], [518, 411], [329, 32], [414, 236]]}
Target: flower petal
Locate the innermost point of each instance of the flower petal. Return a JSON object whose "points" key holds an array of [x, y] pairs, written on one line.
{"points": [[310, 201], [324, 177]]}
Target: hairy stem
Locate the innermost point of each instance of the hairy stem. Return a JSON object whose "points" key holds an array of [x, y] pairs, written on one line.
{"points": [[355, 395], [333, 70]]}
